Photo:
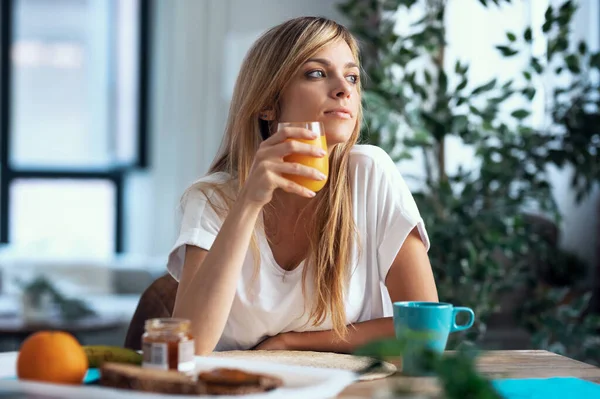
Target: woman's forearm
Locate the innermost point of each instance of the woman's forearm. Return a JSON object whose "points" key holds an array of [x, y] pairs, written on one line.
{"points": [[207, 296], [327, 341]]}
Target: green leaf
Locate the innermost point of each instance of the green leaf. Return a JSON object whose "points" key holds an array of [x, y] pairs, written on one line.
{"points": [[507, 51], [582, 48], [595, 60], [529, 93], [535, 64], [485, 87], [460, 123], [559, 91], [461, 85], [511, 36], [527, 75], [562, 43], [428, 79], [474, 110], [442, 81], [382, 349], [572, 62], [391, 347], [548, 15], [527, 35], [546, 26], [520, 114]]}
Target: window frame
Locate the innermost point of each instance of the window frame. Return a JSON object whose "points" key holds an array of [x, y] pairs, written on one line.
{"points": [[114, 174]]}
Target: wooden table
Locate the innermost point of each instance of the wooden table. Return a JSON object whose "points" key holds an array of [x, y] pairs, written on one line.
{"points": [[494, 364]]}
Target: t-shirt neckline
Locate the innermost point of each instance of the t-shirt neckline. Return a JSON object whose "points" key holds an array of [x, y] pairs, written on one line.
{"points": [[266, 248]]}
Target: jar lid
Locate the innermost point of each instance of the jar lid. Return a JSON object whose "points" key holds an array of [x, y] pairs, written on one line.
{"points": [[167, 325]]}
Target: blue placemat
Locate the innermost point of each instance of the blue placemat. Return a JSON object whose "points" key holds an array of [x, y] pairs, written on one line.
{"points": [[547, 388], [91, 376]]}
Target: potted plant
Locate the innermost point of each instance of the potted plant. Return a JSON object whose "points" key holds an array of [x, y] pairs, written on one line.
{"points": [[43, 302], [478, 218]]}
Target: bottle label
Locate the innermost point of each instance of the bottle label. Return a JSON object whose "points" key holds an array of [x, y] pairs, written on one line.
{"points": [[187, 361], [155, 355]]}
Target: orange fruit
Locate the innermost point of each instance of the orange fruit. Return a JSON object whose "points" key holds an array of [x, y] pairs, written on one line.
{"points": [[52, 356]]}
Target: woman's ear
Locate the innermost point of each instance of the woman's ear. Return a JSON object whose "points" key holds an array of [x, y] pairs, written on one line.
{"points": [[267, 115]]}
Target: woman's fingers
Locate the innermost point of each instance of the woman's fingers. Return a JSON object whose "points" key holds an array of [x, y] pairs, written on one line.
{"points": [[291, 168], [269, 168], [292, 187], [291, 147], [290, 133]]}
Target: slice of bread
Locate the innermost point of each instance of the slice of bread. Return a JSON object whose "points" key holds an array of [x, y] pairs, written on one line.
{"points": [[219, 381], [128, 376], [228, 380]]}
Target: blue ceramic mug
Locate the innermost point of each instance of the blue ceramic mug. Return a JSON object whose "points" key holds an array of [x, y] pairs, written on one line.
{"points": [[430, 324]]}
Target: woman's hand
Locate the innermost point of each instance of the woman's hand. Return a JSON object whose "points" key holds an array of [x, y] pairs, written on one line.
{"points": [[274, 343], [266, 172]]}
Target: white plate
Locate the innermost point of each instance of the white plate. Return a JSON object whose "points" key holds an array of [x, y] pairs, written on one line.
{"points": [[298, 382]]}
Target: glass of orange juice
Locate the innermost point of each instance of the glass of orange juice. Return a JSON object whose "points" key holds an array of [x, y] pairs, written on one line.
{"points": [[321, 164]]}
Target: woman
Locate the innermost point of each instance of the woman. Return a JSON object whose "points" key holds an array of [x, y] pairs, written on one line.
{"points": [[265, 263]]}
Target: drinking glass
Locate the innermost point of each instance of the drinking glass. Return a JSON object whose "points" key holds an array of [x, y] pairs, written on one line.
{"points": [[321, 164]]}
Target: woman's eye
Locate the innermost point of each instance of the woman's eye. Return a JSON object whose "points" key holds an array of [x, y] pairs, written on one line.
{"points": [[316, 74], [352, 79]]}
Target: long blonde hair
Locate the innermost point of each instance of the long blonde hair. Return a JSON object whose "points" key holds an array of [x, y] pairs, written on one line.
{"points": [[267, 69]]}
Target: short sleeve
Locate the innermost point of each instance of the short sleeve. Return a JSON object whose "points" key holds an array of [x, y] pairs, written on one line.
{"points": [[397, 213], [199, 226]]}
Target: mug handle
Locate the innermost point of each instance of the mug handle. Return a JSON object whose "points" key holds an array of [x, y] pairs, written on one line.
{"points": [[456, 311]]}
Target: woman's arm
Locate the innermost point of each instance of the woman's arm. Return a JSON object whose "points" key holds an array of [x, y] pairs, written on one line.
{"points": [[410, 278], [328, 341], [209, 279]]}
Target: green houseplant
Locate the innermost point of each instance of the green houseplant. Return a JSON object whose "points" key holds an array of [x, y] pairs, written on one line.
{"points": [[480, 218], [41, 296]]}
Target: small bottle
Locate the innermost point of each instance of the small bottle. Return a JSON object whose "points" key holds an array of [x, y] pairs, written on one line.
{"points": [[167, 344]]}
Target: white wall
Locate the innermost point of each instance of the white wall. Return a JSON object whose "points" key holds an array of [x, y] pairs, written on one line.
{"points": [[199, 46]]}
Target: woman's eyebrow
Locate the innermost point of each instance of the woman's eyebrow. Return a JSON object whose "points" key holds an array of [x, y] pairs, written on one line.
{"points": [[327, 63]]}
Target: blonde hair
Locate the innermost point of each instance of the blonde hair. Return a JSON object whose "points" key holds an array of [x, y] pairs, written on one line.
{"points": [[267, 69]]}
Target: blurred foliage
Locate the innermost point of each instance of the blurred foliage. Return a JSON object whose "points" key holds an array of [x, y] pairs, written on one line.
{"points": [[457, 372], [70, 309], [482, 218]]}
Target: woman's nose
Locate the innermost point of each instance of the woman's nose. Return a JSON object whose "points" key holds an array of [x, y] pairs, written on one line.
{"points": [[342, 89]]}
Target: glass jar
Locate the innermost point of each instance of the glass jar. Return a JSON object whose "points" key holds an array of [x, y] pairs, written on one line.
{"points": [[167, 344]]}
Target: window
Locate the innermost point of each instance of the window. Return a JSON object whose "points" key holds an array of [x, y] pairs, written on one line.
{"points": [[73, 109]]}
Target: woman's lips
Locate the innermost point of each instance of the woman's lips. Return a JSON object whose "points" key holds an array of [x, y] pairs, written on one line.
{"points": [[339, 114]]}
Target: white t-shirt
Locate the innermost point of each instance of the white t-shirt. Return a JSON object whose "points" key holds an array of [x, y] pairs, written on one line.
{"points": [[384, 212]]}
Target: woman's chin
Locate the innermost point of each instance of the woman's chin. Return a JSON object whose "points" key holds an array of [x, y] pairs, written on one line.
{"points": [[337, 134]]}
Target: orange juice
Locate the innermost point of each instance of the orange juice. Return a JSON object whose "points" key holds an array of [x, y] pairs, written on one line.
{"points": [[321, 164]]}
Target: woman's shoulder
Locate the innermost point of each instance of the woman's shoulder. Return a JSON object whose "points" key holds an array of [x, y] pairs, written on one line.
{"points": [[209, 185], [373, 170], [216, 178], [370, 159], [367, 150]]}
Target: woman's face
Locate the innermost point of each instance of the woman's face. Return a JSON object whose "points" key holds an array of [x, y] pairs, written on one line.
{"points": [[325, 89]]}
